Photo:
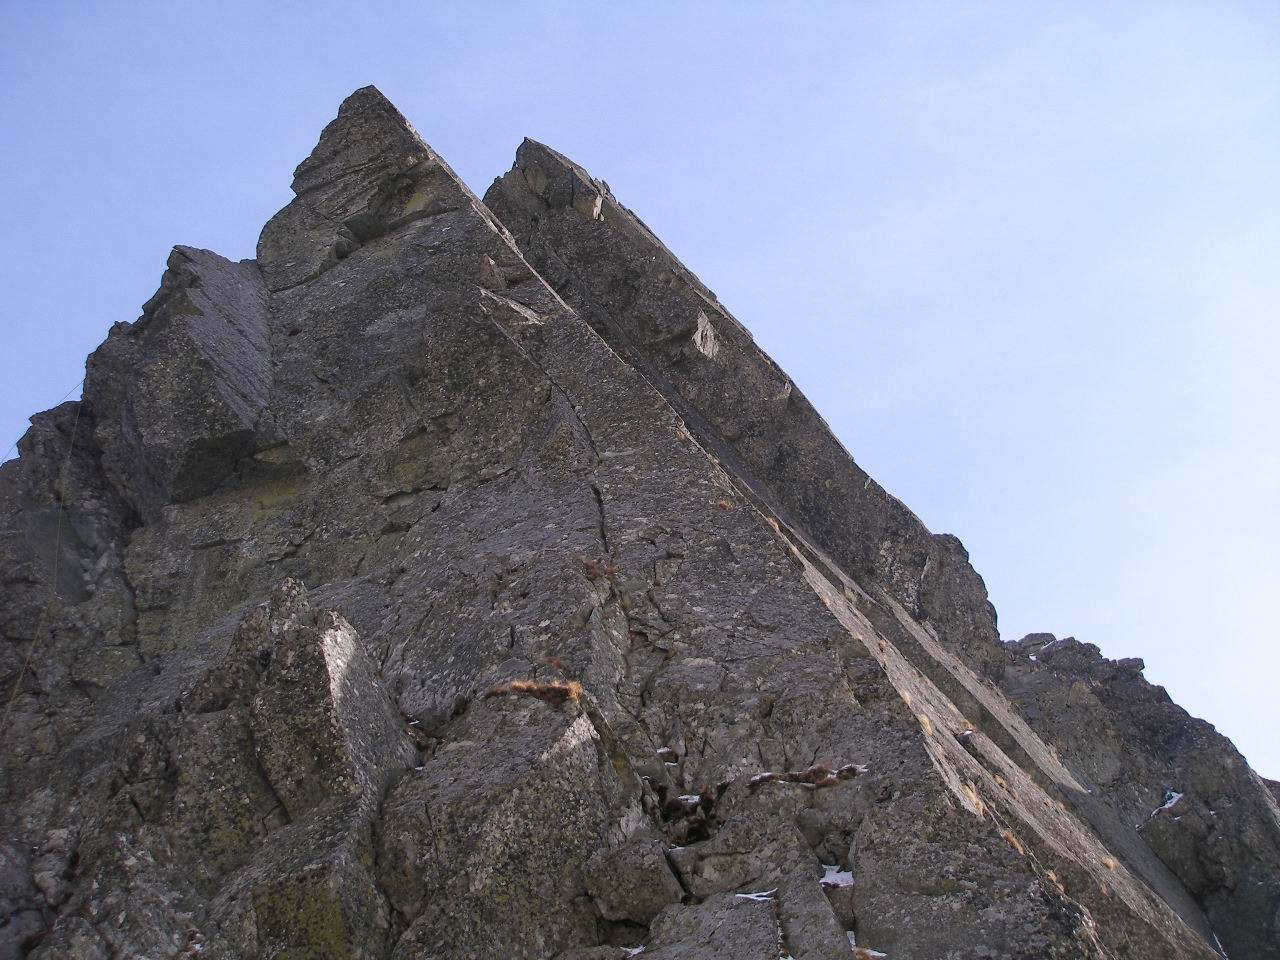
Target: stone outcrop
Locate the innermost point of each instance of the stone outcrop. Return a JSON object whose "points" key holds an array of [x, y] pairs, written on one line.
{"points": [[458, 579], [1178, 782]]}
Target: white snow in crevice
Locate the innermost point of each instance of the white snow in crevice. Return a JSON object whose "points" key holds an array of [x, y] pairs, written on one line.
{"points": [[1171, 798], [762, 895], [691, 798], [633, 951], [833, 876], [865, 953], [1221, 950]]}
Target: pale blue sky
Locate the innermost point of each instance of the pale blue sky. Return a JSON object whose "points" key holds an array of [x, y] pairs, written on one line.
{"points": [[1024, 257]]}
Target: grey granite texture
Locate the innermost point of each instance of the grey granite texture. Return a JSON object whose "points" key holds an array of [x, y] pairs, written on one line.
{"points": [[458, 580]]}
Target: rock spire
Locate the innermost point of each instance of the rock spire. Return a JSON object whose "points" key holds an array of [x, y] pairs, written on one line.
{"points": [[457, 579]]}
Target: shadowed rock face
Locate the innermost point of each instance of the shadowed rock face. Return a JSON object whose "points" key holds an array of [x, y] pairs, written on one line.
{"points": [[1176, 781], [457, 583]]}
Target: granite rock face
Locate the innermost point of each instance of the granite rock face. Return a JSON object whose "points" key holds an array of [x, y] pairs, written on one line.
{"points": [[1181, 784], [458, 580]]}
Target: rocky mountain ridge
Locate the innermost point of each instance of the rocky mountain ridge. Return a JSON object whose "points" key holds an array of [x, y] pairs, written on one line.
{"points": [[458, 579]]}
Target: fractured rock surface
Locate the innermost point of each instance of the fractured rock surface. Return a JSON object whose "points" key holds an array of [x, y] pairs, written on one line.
{"points": [[458, 580]]}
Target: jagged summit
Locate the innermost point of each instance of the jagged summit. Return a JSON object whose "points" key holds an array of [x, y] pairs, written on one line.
{"points": [[370, 174], [369, 135], [545, 169], [459, 580]]}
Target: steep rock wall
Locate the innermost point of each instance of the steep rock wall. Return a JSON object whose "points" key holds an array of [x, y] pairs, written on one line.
{"points": [[398, 613], [650, 308]]}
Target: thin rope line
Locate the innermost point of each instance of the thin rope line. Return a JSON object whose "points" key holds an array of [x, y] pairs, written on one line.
{"points": [[57, 560], [14, 446]]}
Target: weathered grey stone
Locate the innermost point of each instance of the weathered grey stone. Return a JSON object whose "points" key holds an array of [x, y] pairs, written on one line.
{"points": [[656, 314], [1176, 782], [633, 882], [73, 939], [604, 641], [177, 396], [595, 953], [611, 269], [484, 849], [810, 929], [756, 849], [21, 903], [723, 926]]}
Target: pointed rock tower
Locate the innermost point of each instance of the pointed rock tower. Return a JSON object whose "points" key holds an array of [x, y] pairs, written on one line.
{"points": [[458, 580]]}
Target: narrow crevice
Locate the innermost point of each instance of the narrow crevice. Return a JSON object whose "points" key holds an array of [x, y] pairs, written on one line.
{"points": [[555, 384], [262, 775], [603, 528]]}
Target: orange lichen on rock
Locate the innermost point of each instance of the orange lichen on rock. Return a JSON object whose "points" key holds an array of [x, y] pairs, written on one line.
{"points": [[816, 776], [1011, 838], [555, 692]]}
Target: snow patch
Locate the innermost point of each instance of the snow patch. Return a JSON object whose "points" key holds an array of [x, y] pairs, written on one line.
{"points": [[1171, 798], [833, 876], [762, 896]]}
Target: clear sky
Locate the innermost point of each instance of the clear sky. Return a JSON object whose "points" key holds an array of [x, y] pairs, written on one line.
{"points": [[1024, 257]]}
